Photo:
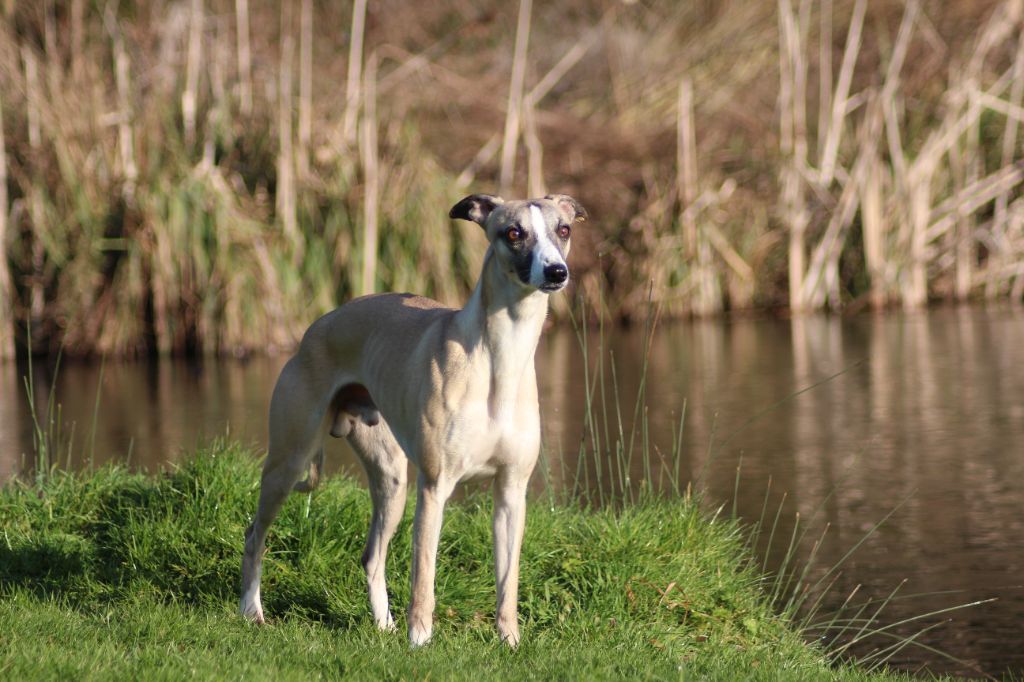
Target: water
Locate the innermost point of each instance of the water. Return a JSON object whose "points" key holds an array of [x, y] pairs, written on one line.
{"points": [[920, 416]]}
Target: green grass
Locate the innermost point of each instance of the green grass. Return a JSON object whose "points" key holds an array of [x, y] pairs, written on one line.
{"points": [[109, 574]]}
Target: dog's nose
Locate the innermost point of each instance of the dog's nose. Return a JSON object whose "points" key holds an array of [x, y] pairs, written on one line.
{"points": [[556, 273]]}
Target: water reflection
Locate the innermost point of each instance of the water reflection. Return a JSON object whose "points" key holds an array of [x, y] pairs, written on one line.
{"points": [[147, 413], [921, 414]]}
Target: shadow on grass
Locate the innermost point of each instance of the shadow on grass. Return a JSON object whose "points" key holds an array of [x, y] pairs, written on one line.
{"points": [[108, 536]]}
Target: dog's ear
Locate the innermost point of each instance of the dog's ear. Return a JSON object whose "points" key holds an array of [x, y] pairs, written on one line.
{"points": [[475, 207], [569, 207]]}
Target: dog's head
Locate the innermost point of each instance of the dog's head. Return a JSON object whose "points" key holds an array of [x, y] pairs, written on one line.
{"points": [[530, 237]]}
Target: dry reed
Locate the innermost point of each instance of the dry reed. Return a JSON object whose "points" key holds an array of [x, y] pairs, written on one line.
{"points": [[305, 88], [371, 176], [354, 79], [244, 57], [6, 288], [513, 112]]}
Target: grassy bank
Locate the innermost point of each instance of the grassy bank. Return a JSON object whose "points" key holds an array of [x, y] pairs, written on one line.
{"points": [[112, 575]]}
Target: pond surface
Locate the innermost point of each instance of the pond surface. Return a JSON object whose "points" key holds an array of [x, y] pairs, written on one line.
{"points": [[916, 417]]}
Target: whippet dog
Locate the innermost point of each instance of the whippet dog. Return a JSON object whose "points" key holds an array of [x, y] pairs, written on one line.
{"points": [[455, 391]]}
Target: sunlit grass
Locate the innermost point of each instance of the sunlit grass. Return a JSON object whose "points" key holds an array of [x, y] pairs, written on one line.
{"points": [[140, 574]]}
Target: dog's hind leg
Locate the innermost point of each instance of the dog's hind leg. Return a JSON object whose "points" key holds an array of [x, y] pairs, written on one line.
{"points": [[386, 467], [279, 477], [312, 480], [295, 435]]}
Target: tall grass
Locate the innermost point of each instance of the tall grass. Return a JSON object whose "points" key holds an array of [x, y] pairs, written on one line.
{"points": [[161, 198], [162, 193], [618, 465], [923, 199]]}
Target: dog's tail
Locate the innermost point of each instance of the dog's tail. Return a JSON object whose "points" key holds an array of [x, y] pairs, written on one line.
{"points": [[312, 481]]}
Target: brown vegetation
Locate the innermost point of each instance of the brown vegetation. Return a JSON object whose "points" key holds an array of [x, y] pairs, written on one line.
{"points": [[210, 175]]}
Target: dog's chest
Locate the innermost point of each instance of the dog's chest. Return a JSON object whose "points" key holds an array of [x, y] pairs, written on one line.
{"points": [[484, 413], [478, 443]]}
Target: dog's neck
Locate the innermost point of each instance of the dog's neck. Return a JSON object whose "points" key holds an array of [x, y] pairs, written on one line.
{"points": [[505, 319]]}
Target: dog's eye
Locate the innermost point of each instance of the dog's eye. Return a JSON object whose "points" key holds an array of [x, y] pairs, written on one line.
{"points": [[513, 234], [564, 231]]}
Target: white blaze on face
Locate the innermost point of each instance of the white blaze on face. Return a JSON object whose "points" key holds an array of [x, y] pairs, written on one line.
{"points": [[545, 252]]}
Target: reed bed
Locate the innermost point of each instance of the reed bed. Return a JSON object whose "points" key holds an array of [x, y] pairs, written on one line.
{"points": [[210, 175]]}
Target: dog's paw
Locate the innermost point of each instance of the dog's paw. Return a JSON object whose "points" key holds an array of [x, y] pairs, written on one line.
{"points": [[508, 630], [511, 638], [252, 611], [386, 624], [254, 616], [418, 637]]}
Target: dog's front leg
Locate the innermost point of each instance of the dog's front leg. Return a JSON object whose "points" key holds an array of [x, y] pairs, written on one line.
{"points": [[430, 499], [509, 521]]}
